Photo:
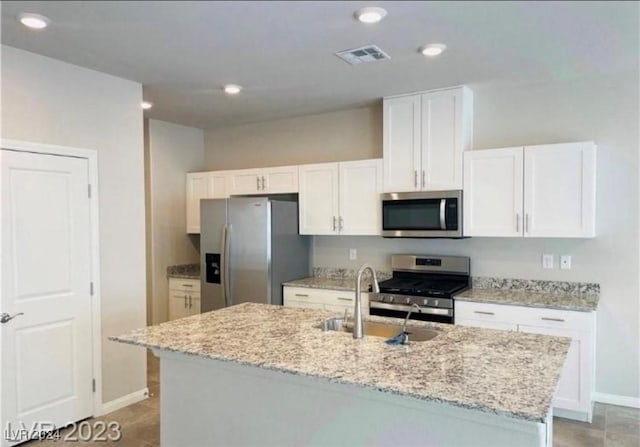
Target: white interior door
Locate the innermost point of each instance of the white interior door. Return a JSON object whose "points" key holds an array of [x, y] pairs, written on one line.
{"points": [[46, 357]]}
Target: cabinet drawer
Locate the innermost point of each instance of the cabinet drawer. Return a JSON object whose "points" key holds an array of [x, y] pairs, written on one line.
{"points": [[558, 319], [485, 312], [184, 285]]}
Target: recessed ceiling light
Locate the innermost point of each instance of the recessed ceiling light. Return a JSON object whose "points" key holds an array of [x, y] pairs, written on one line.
{"points": [[232, 89], [33, 21], [433, 49], [370, 14], [146, 105]]}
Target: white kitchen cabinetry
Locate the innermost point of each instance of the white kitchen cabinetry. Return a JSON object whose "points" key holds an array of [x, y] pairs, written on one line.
{"points": [[323, 299], [184, 297], [533, 191], [493, 192], [560, 190], [203, 185], [573, 396], [424, 137], [196, 190], [264, 181], [341, 198]]}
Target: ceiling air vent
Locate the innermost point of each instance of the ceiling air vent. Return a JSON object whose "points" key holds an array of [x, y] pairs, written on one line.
{"points": [[369, 53]]}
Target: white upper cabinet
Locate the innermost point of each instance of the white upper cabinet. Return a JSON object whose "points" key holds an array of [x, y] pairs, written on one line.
{"points": [[280, 180], [425, 135], [340, 198], [535, 191], [493, 192], [318, 202], [264, 181], [217, 185], [401, 143], [196, 190], [245, 181], [560, 190], [360, 188]]}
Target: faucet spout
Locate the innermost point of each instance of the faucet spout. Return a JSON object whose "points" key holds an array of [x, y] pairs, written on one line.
{"points": [[357, 312], [413, 305]]}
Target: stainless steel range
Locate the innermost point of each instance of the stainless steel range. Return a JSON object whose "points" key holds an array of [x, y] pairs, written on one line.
{"points": [[423, 280]]}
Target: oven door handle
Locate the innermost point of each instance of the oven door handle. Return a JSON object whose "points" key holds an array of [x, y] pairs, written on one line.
{"points": [[424, 310], [443, 219]]}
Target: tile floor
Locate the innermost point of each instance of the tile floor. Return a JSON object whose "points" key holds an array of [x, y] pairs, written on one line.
{"points": [[612, 426]]}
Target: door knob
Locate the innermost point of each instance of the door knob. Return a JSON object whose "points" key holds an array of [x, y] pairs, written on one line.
{"points": [[5, 317]]}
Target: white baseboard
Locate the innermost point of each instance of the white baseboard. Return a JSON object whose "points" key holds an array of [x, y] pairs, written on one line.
{"points": [[616, 399], [124, 401]]}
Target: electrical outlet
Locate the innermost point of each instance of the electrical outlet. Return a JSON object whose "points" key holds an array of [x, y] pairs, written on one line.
{"points": [[353, 254], [565, 262], [547, 261]]}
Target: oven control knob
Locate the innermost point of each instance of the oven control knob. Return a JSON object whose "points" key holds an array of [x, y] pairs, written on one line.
{"points": [[425, 302], [391, 299], [408, 300], [435, 303]]}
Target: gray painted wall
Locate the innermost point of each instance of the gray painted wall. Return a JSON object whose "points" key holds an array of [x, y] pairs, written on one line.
{"points": [[572, 109], [51, 102], [172, 151]]}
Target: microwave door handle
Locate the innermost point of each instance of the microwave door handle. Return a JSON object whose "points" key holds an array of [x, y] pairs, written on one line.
{"points": [[443, 220]]}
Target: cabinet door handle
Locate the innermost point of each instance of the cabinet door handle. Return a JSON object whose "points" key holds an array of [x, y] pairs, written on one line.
{"points": [[334, 223], [187, 285], [189, 301], [341, 223], [258, 183], [415, 178], [263, 183], [517, 222], [423, 181], [302, 295], [526, 222], [185, 301], [560, 320], [482, 312], [345, 299]]}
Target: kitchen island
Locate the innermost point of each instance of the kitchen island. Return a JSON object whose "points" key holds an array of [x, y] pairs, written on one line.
{"points": [[263, 375]]}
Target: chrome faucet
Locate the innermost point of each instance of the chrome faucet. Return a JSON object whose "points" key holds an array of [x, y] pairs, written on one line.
{"points": [[357, 312], [404, 325]]}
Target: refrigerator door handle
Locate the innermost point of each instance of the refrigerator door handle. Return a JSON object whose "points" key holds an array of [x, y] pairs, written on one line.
{"points": [[226, 287]]}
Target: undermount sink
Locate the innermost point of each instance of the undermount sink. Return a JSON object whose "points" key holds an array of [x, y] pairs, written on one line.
{"points": [[387, 330]]}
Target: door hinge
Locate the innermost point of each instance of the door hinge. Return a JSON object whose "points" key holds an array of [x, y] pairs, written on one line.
{"points": [[89, 190], [91, 288], [93, 385]]}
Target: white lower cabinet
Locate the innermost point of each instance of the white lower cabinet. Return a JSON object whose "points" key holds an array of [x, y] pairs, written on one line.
{"points": [[323, 299], [184, 297], [573, 396]]}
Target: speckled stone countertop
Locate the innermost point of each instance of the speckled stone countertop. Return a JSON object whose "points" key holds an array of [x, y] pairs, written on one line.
{"points": [[324, 283], [186, 271], [336, 279], [502, 372], [582, 303]]}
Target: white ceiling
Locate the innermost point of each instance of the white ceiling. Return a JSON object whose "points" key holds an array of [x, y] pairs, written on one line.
{"points": [[282, 52]]}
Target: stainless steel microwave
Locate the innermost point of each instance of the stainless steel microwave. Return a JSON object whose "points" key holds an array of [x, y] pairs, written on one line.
{"points": [[429, 214]]}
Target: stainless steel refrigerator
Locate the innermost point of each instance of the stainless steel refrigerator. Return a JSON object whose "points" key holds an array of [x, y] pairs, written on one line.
{"points": [[248, 247]]}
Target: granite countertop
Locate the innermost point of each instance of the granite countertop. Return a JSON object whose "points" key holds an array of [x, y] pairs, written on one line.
{"points": [[324, 283], [502, 372], [576, 302], [186, 271]]}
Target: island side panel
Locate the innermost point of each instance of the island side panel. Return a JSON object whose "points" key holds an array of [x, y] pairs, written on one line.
{"points": [[211, 402]]}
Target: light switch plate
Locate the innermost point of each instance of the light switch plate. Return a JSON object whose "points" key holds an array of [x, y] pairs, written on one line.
{"points": [[353, 254], [565, 262], [547, 261]]}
